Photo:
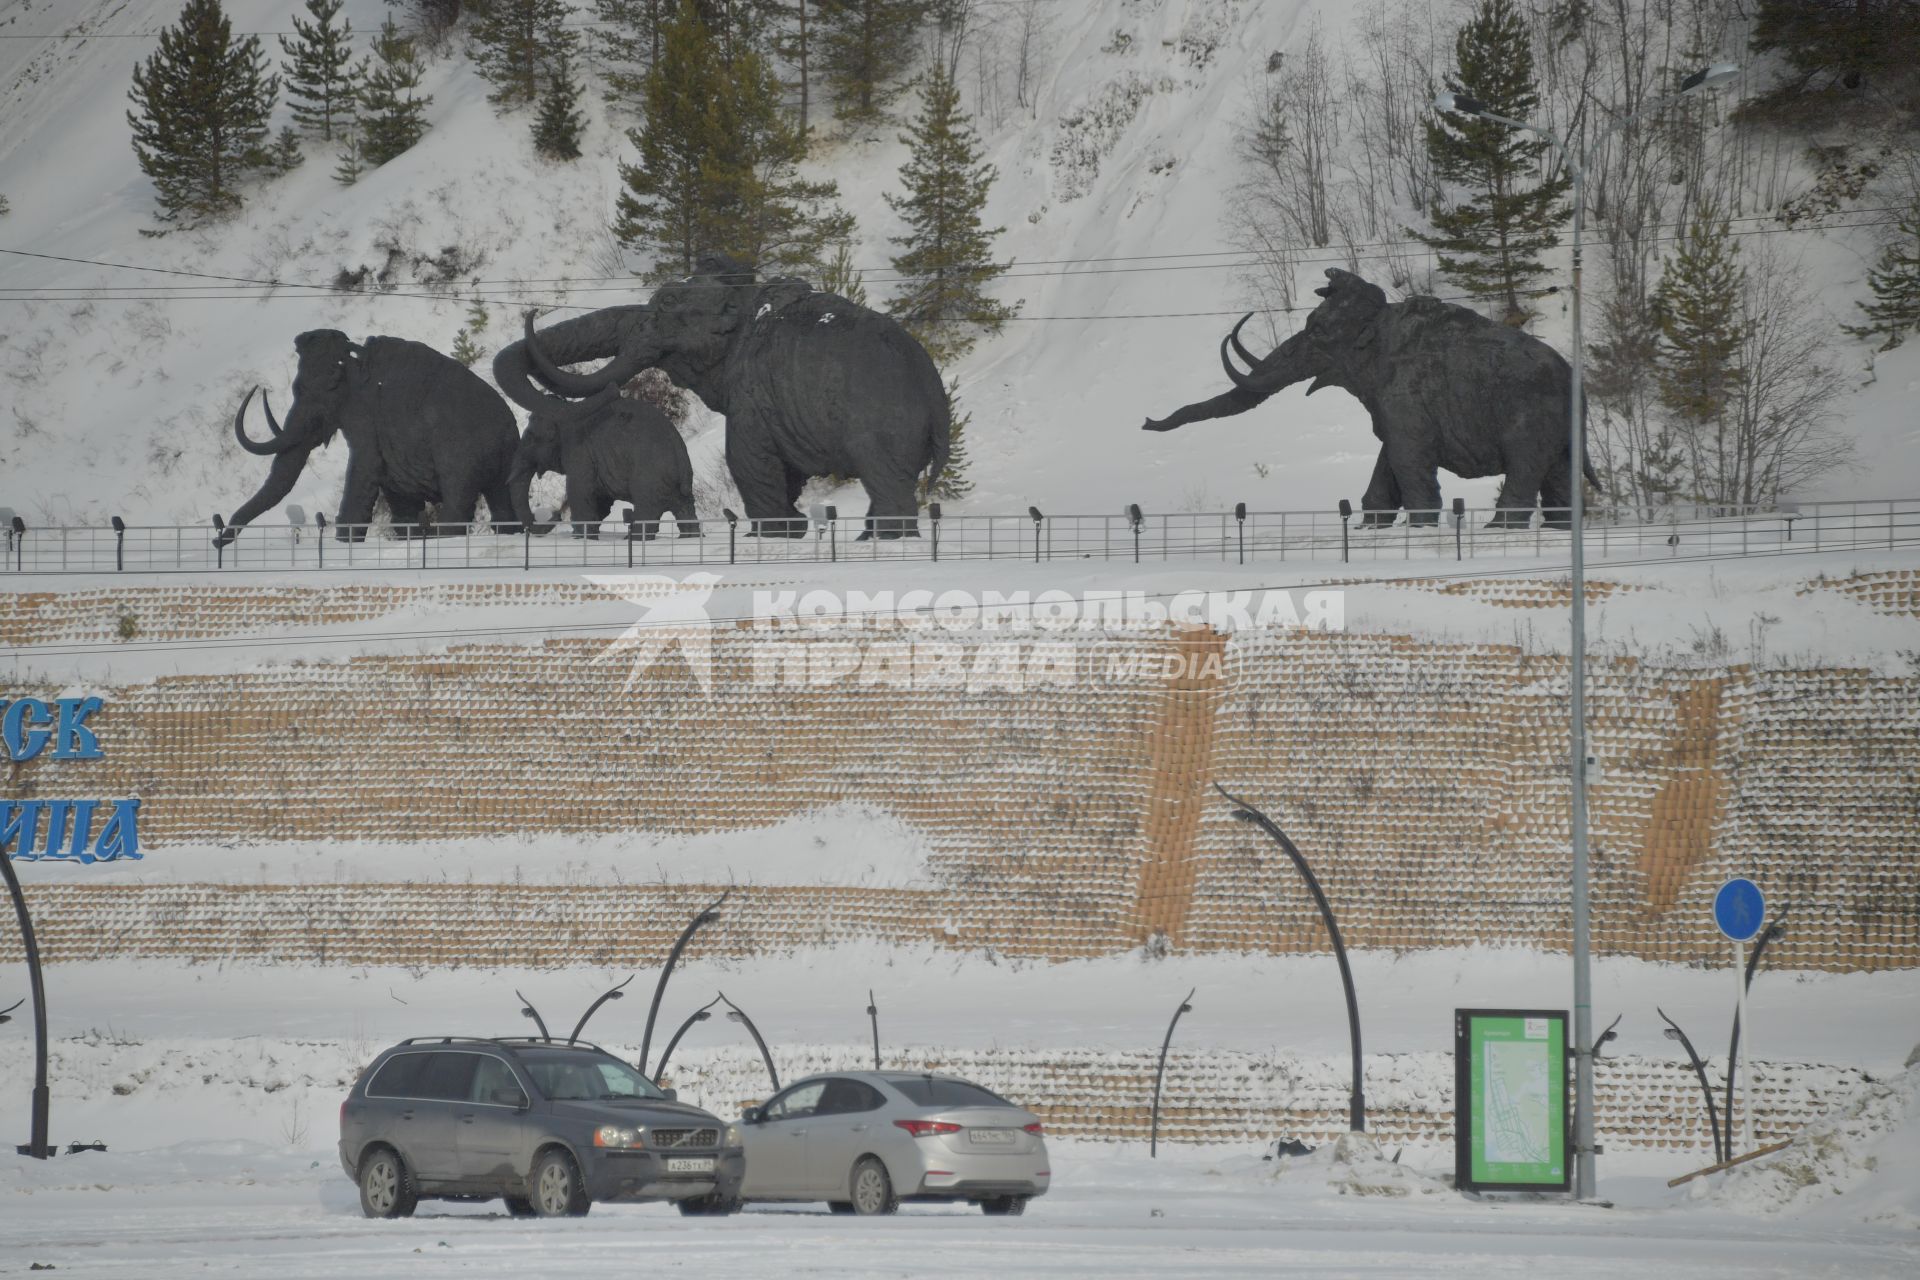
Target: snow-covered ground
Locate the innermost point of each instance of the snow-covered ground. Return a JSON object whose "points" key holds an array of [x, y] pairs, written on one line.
{"points": [[250, 1210]]}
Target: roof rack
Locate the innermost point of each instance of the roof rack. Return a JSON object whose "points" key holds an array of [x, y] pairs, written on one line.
{"points": [[508, 1042]]}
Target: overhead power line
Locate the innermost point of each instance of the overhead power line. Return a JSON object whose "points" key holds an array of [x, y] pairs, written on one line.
{"points": [[523, 295]]}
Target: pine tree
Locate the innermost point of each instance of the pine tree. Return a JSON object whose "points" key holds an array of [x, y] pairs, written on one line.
{"points": [[627, 42], [766, 213], [1895, 281], [795, 43], [519, 45], [954, 483], [717, 164], [348, 171], [466, 343], [1491, 243], [1698, 305], [203, 102], [865, 48], [948, 259], [286, 151], [838, 275], [393, 116], [556, 132], [323, 80]]}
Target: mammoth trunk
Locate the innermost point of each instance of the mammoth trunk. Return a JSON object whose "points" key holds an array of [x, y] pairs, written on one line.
{"points": [[286, 469], [520, 486], [529, 371]]}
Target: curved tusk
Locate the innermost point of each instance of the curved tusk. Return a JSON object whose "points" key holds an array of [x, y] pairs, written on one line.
{"points": [[266, 402], [277, 445], [1242, 352], [1240, 379], [615, 374]]}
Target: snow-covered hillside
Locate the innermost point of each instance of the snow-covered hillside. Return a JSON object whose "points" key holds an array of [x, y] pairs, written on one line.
{"points": [[117, 387]]}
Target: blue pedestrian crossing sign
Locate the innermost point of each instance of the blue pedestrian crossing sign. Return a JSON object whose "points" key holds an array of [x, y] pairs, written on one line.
{"points": [[1739, 908]]}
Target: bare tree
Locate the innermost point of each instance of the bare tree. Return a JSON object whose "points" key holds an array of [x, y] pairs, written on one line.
{"points": [[1781, 432], [1287, 143], [1030, 24]]}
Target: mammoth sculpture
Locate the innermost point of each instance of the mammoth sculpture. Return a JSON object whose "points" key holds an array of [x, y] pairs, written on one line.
{"points": [[810, 385], [1445, 386], [421, 428], [620, 451]]}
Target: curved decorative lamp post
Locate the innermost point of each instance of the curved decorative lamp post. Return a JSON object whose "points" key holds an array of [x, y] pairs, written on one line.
{"points": [[1153, 1129], [612, 993], [873, 1015], [1356, 1096], [708, 914], [1586, 1183], [737, 1014], [1673, 1032], [1772, 931], [698, 1015], [37, 1144], [528, 1011]]}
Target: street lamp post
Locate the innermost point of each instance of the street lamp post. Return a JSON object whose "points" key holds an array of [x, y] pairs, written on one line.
{"points": [[708, 914], [37, 1145], [736, 1014], [1586, 1184], [698, 1015]]}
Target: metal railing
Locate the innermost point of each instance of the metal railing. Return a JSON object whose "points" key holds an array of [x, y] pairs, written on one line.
{"points": [[1238, 536]]}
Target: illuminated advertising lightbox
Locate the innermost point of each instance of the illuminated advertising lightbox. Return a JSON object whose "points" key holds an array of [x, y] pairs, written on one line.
{"points": [[1511, 1121]]}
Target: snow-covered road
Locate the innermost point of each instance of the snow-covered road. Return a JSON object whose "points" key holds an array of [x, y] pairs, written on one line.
{"points": [[234, 1209]]}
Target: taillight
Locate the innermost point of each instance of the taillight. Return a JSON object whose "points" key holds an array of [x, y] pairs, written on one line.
{"points": [[926, 1128], [1036, 1128]]}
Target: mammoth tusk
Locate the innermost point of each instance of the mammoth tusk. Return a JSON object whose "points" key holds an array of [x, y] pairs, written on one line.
{"points": [[266, 402], [615, 374], [1239, 350], [279, 444], [1240, 379]]}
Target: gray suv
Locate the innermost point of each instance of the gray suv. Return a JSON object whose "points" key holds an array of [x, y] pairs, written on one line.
{"points": [[550, 1126]]}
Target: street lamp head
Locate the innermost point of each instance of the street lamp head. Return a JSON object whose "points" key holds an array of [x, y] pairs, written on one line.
{"points": [[736, 1016], [701, 1016], [1671, 1034], [1462, 102], [1710, 77]]}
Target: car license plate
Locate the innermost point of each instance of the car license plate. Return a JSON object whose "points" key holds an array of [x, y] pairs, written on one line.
{"points": [[990, 1137], [689, 1164]]}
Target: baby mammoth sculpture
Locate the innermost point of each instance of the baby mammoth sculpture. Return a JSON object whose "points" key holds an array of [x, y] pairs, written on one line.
{"points": [[1445, 386], [810, 385], [620, 451], [421, 428]]}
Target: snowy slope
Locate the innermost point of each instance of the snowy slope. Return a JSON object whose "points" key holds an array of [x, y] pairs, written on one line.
{"points": [[122, 404]]}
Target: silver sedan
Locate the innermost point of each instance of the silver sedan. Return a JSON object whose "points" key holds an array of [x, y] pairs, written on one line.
{"points": [[863, 1141]]}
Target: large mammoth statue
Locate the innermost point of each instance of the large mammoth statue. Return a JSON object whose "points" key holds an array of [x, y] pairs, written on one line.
{"points": [[421, 428], [810, 385], [624, 451], [1445, 386]]}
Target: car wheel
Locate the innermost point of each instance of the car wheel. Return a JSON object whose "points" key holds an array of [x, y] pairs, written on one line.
{"points": [[711, 1205], [839, 1206], [872, 1189], [386, 1188], [557, 1189], [1004, 1207], [519, 1208]]}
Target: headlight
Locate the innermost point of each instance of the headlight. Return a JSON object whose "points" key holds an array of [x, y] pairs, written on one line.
{"points": [[612, 1135], [733, 1135]]}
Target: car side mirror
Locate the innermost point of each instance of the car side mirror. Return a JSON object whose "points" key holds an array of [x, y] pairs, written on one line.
{"points": [[671, 1095], [752, 1115], [510, 1098]]}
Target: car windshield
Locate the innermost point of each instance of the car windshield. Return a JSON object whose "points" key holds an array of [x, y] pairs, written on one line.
{"points": [[932, 1091], [586, 1077]]}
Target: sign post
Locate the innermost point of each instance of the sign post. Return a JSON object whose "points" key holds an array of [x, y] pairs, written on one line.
{"points": [[1512, 1125], [1740, 909]]}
